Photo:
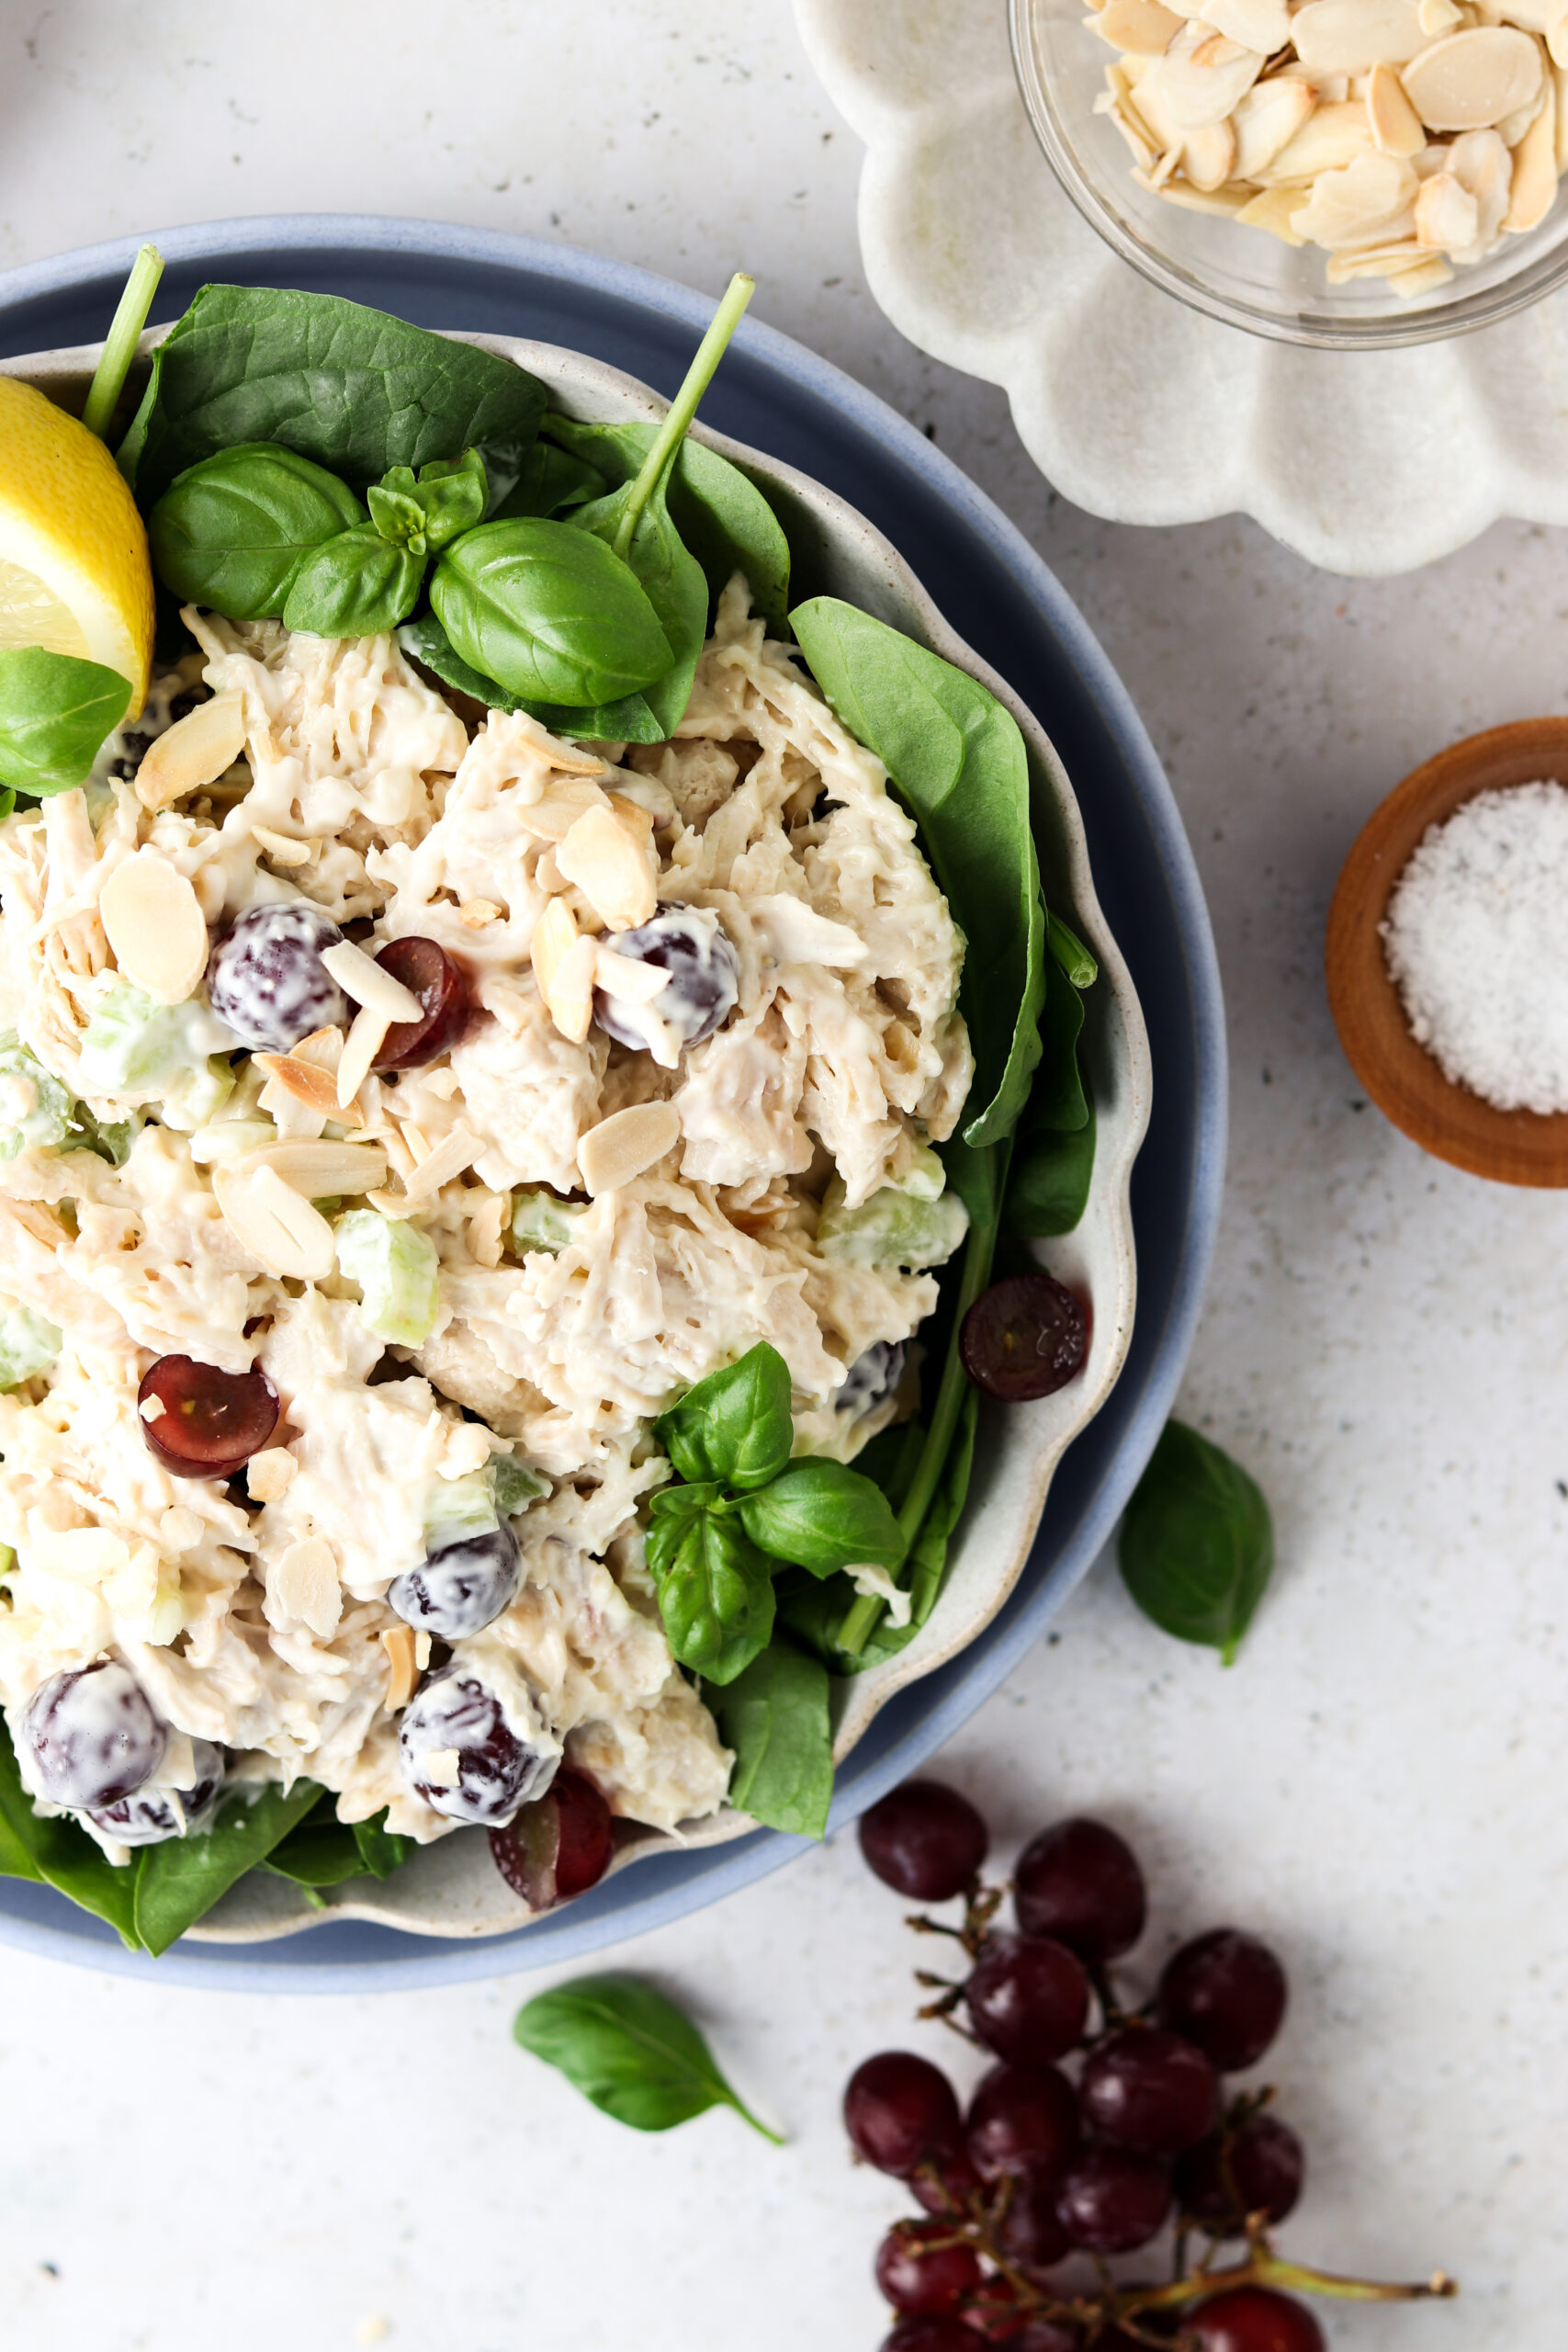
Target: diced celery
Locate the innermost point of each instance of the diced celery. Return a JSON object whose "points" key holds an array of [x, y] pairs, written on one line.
{"points": [[395, 1265], [28, 1343], [134, 1046], [515, 1485], [197, 1095], [898, 1226], [541, 1222], [456, 1509], [34, 1106], [227, 1140]]}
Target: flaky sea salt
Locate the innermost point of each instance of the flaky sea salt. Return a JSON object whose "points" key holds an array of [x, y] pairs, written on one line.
{"points": [[1476, 941]]}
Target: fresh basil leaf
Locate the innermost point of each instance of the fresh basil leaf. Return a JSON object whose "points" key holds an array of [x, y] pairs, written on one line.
{"points": [[671, 1515], [55, 714], [1197, 1546], [354, 586], [959, 762], [822, 1516], [453, 493], [398, 516], [231, 532], [716, 1591], [673, 584], [735, 1425], [359, 392], [775, 1717], [627, 721], [630, 2051], [549, 611], [1048, 1183], [58, 1852], [178, 1882], [552, 480]]}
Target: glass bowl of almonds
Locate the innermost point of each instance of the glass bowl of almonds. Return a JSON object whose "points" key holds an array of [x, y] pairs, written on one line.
{"points": [[1351, 174]]}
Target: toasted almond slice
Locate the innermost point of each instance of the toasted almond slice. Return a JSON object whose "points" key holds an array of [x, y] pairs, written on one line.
{"points": [[1225, 202], [1329, 139], [563, 969], [1267, 120], [1197, 83], [1208, 154], [1557, 49], [635, 813], [1145, 154], [1438, 17], [1141, 26], [279, 1227], [477, 913], [1448, 218], [1367, 203], [194, 750], [1260, 24], [282, 848], [1272, 210], [553, 935], [626, 1143], [626, 978], [552, 815], [360, 977], [323, 1046], [316, 1089], [402, 1672], [152, 920], [318, 1171], [270, 1474], [1374, 261], [1533, 191], [364, 1040], [1423, 280], [612, 862], [457, 1151], [439, 1766], [303, 1584], [571, 759], [1352, 36], [1396, 126], [1471, 79]]}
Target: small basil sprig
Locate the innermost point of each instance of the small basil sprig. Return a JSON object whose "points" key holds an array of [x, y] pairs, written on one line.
{"points": [[630, 2051], [1196, 1546], [55, 714], [716, 1589]]}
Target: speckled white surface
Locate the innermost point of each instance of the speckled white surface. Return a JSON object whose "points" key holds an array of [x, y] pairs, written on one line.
{"points": [[1376, 1784]]}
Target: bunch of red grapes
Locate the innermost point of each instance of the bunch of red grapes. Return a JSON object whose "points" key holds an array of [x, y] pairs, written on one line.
{"points": [[1044, 2167]]}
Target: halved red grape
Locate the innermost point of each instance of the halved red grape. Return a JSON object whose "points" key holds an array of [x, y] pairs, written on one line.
{"points": [[921, 2267], [208, 1422], [930, 2332], [1028, 1997], [1226, 1992], [1254, 2319], [424, 967], [1113, 2199], [899, 2110], [924, 1841], [1266, 2166], [1025, 1337], [1022, 2118], [559, 1846], [1080, 1883], [1148, 2089], [1029, 2232]]}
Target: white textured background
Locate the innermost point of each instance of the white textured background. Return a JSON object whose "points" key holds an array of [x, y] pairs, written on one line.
{"points": [[1376, 1785]]}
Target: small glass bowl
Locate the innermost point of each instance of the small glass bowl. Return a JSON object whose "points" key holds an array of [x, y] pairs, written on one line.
{"points": [[1241, 276]]}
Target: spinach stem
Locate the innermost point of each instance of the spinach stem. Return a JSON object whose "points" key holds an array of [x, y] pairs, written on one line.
{"points": [[684, 407], [1070, 953], [120, 348]]}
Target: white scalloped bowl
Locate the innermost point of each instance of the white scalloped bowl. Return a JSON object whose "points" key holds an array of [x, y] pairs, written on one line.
{"points": [[1241, 276], [452, 1889]]}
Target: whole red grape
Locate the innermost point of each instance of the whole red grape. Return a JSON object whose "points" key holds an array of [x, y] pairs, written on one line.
{"points": [[1029, 2232], [1028, 1997], [1266, 2169], [1079, 1882], [1254, 2319], [899, 2109], [925, 1840], [1022, 2118], [920, 2268], [1148, 2089], [930, 2332], [1113, 2199], [1226, 1992]]}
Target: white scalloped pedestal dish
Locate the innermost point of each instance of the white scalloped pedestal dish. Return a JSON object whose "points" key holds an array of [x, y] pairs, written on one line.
{"points": [[1136, 405], [452, 1889]]}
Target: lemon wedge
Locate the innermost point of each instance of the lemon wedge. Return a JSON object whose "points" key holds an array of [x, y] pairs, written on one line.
{"points": [[75, 572]]}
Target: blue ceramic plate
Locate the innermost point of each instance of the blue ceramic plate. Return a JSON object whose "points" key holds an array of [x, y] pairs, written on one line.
{"points": [[777, 397]]}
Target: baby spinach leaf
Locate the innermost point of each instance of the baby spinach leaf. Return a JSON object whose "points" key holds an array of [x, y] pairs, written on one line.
{"points": [[551, 612], [381, 1850], [356, 390], [630, 2051], [55, 714], [1057, 1099], [775, 1718], [552, 481], [735, 1425], [822, 1515], [178, 1882], [354, 586], [321, 1851], [58, 1852], [1196, 1546], [715, 1590], [1048, 1183], [958, 760], [232, 531]]}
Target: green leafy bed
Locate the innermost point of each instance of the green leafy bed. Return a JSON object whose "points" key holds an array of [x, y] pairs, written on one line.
{"points": [[300, 457]]}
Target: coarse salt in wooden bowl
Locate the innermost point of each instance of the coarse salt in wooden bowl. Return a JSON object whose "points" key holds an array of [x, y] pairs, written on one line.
{"points": [[1403, 1079]]}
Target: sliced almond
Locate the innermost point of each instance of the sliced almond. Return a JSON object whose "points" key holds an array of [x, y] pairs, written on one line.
{"points": [[552, 815], [366, 1038], [281, 1229], [1117, 104], [626, 978], [1140, 26], [402, 1671], [439, 1766], [563, 969], [1329, 139], [323, 1046], [1423, 280], [303, 1584], [1367, 203], [1352, 36], [1260, 24], [621, 1147], [477, 913], [1533, 191], [1396, 126], [320, 1171], [457, 1151], [1438, 17], [1374, 261], [1447, 216], [1560, 106], [1471, 79], [614, 864], [195, 750], [270, 1474], [360, 977], [1272, 210], [1267, 120], [1225, 203], [1198, 82], [152, 920], [316, 1089], [1208, 153], [1557, 46], [282, 848], [1480, 162]]}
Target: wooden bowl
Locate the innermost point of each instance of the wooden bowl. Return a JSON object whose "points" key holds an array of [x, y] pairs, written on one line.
{"points": [[1405, 1080]]}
